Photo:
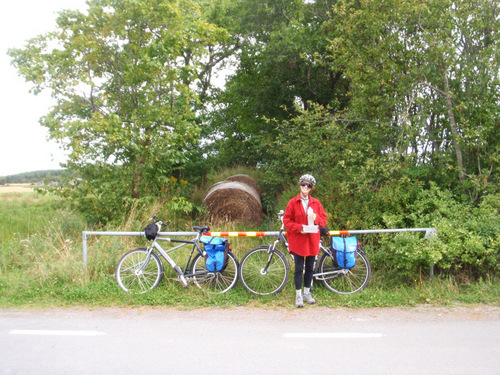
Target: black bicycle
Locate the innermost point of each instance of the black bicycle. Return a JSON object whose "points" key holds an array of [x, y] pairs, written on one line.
{"points": [[266, 269], [141, 269]]}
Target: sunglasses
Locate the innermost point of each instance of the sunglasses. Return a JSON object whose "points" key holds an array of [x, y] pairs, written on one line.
{"points": [[306, 184]]}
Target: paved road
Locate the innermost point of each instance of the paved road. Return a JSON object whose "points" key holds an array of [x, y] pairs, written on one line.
{"points": [[313, 340]]}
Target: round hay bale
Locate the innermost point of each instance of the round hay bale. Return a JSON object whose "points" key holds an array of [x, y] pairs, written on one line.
{"points": [[246, 179], [234, 201]]}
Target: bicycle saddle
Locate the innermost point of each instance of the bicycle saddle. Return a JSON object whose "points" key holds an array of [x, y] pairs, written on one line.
{"points": [[203, 229]]}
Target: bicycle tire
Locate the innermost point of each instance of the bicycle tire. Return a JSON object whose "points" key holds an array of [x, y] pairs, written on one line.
{"points": [[255, 280], [130, 279], [349, 281], [215, 282]]}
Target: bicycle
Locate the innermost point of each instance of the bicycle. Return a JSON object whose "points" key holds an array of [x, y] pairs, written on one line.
{"points": [[141, 270], [265, 270]]}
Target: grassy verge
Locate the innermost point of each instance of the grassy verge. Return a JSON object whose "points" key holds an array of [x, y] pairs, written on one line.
{"points": [[41, 266]]}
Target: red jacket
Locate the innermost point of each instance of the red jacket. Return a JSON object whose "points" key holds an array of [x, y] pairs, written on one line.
{"points": [[303, 244]]}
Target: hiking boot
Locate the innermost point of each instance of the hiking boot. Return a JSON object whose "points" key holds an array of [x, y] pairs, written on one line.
{"points": [[309, 299], [299, 302]]}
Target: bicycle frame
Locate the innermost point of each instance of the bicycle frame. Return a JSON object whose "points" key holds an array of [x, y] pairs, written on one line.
{"points": [[183, 273]]}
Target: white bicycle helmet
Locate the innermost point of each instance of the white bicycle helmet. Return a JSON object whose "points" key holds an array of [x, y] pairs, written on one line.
{"points": [[308, 178]]}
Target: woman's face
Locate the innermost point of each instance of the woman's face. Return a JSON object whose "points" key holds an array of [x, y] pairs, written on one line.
{"points": [[305, 188]]}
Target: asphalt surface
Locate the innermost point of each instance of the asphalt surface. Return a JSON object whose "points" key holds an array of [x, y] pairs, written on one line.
{"points": [[312, 340]]}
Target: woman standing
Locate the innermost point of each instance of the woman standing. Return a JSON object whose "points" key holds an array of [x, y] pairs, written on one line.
{"points": [[304, 246]]}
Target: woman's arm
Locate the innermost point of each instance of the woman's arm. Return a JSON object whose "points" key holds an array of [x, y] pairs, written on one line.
{"points": [[321, 218], [289, 219]]}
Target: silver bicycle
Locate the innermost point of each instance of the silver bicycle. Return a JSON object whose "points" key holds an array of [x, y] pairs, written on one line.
{"points": [[141, 270]]}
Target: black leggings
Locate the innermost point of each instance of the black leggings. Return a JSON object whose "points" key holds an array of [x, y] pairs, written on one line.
{"points": [[299, 270]]}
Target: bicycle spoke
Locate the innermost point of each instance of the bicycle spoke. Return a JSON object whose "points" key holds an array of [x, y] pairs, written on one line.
{"points": [[263, 273], [215, 282], [346, 281], [134, 276]]}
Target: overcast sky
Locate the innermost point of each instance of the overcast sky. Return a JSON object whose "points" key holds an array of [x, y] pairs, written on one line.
{"points": [[23, 141]]}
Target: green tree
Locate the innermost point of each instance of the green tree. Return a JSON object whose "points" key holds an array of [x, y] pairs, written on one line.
{"points": [[281, 61], [428, 72], [124, 76]]}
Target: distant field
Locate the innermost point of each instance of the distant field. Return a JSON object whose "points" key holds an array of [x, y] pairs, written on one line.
{"points": [[16, 188]]}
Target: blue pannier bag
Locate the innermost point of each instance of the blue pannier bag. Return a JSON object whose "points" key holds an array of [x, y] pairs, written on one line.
{"points": [[344, 251], [216, 252]]}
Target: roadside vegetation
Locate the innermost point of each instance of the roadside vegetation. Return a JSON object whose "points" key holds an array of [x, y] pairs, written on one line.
{"points": [[41, 266]]}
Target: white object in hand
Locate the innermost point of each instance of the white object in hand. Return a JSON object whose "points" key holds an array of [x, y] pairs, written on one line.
{"points": [[310, 216], [310, 228]]}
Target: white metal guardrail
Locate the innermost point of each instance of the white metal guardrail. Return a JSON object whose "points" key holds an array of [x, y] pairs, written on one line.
{"points": [[429, 234]]}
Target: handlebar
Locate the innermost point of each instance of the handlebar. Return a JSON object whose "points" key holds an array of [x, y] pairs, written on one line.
{"points": [[199, 229]]}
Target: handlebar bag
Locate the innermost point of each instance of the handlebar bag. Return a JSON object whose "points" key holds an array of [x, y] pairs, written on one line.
{"points": [[216, 253], [151, 231], [344, 251]]}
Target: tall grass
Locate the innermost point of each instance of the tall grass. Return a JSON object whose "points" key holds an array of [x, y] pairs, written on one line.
{"points": [[41, 265]]}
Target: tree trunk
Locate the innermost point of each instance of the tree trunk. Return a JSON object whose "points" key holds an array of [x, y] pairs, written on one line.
{"points": [[136, 192], [453, 126], [138, 171]]}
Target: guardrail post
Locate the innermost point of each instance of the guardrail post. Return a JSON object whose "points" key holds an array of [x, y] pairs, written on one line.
{"points": [[84, 249], [430, 233]]}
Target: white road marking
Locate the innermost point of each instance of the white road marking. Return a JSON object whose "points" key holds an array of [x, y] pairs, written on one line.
{"points": [[332, 335], [55, 332]]}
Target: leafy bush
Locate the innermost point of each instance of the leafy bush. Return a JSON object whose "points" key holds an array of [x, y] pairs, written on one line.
{"points": [[469, 238], [467, 241]]}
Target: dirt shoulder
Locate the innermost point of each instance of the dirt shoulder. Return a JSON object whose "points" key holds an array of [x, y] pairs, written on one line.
{"points": [[308, 313]]}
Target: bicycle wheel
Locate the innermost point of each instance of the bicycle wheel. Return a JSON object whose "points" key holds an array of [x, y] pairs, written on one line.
{"points": [[131, 278], [345, 281], [258, 280], [215, 282]]}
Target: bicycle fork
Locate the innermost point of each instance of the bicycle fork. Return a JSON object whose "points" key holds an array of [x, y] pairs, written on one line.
{"points": [[270, 251]]}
